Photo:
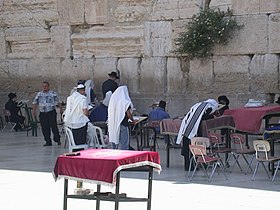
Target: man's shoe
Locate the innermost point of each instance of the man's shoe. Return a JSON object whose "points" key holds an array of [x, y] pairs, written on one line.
{"points": [[47, 144], [58, 143]]}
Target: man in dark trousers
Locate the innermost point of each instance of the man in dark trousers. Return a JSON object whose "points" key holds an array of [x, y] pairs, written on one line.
{"points": [[47, 100], [110, 84]]}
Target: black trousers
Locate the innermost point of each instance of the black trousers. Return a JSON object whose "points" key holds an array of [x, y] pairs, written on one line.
{"points": [[186, 153], [80, 135], [48, 123]]}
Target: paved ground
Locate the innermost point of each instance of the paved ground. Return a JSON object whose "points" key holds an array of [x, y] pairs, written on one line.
{"points": [[26, 182]]}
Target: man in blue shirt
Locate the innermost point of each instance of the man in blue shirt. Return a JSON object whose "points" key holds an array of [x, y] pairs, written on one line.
{"points": [[158, 114]]}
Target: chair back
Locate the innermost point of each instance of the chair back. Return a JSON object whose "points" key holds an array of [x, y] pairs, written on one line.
{"points": [[198, 151], [99, 137], [71, 141], [238, 140], [7, 115], [204, 141], [261, 147]]}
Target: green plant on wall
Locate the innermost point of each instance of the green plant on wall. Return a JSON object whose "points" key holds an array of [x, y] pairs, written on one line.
{"points": [[205, 29]]}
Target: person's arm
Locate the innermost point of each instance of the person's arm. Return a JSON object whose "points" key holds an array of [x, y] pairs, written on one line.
{"points": [[34, 110], [86, 112]]}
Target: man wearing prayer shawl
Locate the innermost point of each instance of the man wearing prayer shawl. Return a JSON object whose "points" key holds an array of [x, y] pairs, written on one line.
{"points": [[191, 122], [119, 111]]}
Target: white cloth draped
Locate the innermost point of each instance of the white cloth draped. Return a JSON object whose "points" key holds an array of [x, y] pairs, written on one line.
{"points": [[89, 85], [118, 105], [191, 121], [74, 115]]}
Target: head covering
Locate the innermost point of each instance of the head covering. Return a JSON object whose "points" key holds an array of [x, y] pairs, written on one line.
{"points": [[107, 98], [12, 95], [118, 105], [80, 86], [113, 74], [278, 100], [162, 104], [222, 99]]}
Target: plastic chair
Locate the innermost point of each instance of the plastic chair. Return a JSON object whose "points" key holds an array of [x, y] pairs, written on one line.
{"points": [[262, 148], [205, 161], [99, 138], [71, 143], [7, 115], [32, 124], [218, 146], [240, 149], [146, 138]]}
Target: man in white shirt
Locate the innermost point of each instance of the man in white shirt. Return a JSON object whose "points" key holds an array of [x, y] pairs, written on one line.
{"points": [[76, 115]]}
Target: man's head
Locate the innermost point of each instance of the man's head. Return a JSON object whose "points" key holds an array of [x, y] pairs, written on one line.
{"points": [[113, 75], [12, 96], [45, 86], [162, 104], [81, 89], [223, 100]]}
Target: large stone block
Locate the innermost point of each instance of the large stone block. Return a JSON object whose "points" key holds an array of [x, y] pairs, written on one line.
{"points": [[201, 76], [177, 75], [221, 4], [274, 30], [60, 41], [153, 75], [28, 42], [129, 71], [245, 7], [264, 73], [74, 70], [165, 10], [96, 11], [249, 39], [231, 74], [28, 13], [76, 11], [158, 38], [125, 41], [131, 11], [187, 8], [3, 52], [269, 6]]}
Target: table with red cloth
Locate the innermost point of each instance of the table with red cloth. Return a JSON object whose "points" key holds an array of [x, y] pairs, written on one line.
{"points": [[171, 127], [103, 167], [249, 119]]}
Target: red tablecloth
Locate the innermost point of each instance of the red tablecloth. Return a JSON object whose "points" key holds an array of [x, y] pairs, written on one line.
{"points": [[250, 119], [101, 165], [172, 126]]}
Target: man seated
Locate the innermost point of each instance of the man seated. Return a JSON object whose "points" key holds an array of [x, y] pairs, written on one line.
{"points": [[157, 115]]}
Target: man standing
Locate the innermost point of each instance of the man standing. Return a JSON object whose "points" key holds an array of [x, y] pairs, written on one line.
{"points": [[76, 115], [110, 84], [47, 101]]}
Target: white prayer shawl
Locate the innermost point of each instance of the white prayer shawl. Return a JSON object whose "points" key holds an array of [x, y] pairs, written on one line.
{"points": [[118, 105], [74, 115], [191, 121], [89, 85]]}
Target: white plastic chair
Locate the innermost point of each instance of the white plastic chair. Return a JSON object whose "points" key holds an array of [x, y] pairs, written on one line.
{"points": [[7, 115], [99, 138], [71, 143]]}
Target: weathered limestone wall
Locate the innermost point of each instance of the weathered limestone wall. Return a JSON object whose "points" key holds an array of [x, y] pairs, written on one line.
{"points": [[66, 40]]}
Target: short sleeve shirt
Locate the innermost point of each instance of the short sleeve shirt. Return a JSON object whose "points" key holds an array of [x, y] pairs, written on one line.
{"points": [[46, 100]]}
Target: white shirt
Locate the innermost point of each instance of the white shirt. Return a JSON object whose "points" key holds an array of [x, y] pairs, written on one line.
{"points": [[74, 115]]}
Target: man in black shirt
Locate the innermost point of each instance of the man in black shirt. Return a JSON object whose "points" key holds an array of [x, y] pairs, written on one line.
{"points": [[110, 84]]}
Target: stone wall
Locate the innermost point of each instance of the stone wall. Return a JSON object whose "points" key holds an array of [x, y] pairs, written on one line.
{"points": [[66, 40]]}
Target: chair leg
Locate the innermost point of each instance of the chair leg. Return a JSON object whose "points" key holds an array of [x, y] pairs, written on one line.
{"points": [[249, 166], [277, 167], [194, 171], [256, 168], [265, 170]]}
